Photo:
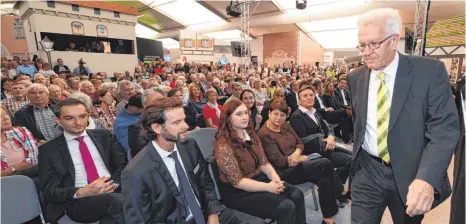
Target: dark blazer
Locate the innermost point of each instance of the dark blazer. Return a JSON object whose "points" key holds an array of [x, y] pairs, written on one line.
{"points": [[57, 173], [317, 105], [136, 140], [150, 194], [423, 128], [332, 101], [291, 101], [337, 92], [25, 118], [57, 67], [303, 125]]}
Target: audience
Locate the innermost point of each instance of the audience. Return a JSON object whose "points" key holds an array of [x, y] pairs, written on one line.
{"points": [[19, 148], [130, 114], [17, 100], [165, 193], [248, 182], [136, 140], [284, 150], [212, 111], [80, 170]]}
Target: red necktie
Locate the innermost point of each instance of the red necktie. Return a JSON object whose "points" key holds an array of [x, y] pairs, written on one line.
{"points": [[89, 164]]}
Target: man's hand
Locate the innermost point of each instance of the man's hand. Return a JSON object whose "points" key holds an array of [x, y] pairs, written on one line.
{"points": [[420, 198], [329, 109], [258, 119], [212, 219], [100, 186], [303, 158], [330, 140], [291, 161]]}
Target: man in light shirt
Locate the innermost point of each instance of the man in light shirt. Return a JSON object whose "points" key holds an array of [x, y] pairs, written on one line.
{"points": [[79, 171]]}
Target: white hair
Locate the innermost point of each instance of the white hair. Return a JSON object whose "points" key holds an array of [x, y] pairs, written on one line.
{"points": [[37, 86], [149, 91], [389, 18], [85, 82], [83, 98]]}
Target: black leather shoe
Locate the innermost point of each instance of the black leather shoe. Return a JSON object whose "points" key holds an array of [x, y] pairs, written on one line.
{"points": [[323, 222], [341, 204]]}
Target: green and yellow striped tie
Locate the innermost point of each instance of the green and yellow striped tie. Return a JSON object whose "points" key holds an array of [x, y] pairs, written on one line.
{"points": [[383, 117]]}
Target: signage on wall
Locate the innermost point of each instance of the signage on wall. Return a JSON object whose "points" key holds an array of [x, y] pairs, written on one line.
{"points": [[102, 31], [77, 28]]}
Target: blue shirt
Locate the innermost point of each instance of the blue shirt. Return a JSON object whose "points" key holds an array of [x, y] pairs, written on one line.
{"points": [[122, 123], [26, 69]]}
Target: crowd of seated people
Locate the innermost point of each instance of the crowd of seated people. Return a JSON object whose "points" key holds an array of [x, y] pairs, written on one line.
{"points": [[96, 139]]}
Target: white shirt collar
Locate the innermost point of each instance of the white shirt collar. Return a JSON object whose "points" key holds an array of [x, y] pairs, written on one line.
{"points": [[304, 110], [164, 154], [71, 137], [390, 70], [246, 136]]}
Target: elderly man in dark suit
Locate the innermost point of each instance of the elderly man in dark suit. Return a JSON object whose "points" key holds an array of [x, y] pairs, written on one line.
{"points": [[79, 171], [168, 181], [405, 126]]}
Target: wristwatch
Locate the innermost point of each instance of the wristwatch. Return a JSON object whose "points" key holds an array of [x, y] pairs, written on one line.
{"points": [[13, 170]]}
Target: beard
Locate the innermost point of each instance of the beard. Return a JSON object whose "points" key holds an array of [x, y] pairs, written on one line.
{"points": [[171, 137]]}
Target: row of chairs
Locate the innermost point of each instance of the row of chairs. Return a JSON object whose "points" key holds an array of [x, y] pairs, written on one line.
{"points": [[20, 201]]}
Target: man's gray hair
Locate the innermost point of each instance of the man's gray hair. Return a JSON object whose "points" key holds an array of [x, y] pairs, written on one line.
{"points": [[388, 18], [85, 82], [149, 91], [37, 86], [83, 98], [122, 84]]}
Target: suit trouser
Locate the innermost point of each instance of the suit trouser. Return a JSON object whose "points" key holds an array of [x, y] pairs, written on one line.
{"points": [[341, 118], [373, 188], [230, 216], [341, 159], [319, 171], [106, 208]]}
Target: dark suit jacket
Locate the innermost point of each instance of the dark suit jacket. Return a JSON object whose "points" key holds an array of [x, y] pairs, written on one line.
{"points": [[57, 67], [423, 128], [291, 101], [303, 125], [136, 140], [337, 92], [25, 118], [151, 195], [57, 173], [317, 105], [332, 101]]}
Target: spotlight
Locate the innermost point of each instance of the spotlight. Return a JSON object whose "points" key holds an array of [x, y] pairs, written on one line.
{"points": [[301, 4]]}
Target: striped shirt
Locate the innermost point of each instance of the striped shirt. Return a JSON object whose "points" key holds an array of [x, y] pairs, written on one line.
{"points": [[46, 123], [23, 140]]}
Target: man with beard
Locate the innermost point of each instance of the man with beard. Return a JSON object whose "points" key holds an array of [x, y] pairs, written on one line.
{"points": [[168, 181]]}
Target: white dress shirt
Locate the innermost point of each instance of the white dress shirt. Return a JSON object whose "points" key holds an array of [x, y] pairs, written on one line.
{"points": [[311, 113], [370, 136], [170, 164], [80, 171], [344, 97], [321, 103]]}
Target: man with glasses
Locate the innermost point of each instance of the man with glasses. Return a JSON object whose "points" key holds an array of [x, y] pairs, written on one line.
{"points": [[25, 68], [405, 126]]}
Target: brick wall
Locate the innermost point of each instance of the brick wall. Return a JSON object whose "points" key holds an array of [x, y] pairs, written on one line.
{"points": [[280, 48], [311, 52]]}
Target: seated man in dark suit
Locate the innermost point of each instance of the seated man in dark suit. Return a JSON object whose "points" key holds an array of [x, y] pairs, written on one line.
{"points": [[136, 140], [168, 181], [292, 96], [80, 170], [342, 93], [306, 122], [332, 115]]}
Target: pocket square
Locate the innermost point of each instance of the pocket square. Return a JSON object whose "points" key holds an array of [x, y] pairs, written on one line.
{"points": [[196, 169]]}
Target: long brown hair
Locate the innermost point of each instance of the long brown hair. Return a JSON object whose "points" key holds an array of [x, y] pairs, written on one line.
{"points": [[225, 132], [191, 95]]}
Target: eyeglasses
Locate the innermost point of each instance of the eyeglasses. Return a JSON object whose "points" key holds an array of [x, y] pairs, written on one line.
{"points": [[373, 45]]}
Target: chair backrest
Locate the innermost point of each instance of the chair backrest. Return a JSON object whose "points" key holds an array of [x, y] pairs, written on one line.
{"points": [[205, 138], [20, 202]]}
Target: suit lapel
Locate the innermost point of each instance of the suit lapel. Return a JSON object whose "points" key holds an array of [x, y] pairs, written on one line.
{"points": [[188, 166], [164, 173], [65, 154], [403, 81], [363, 91], [97, 142]]}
